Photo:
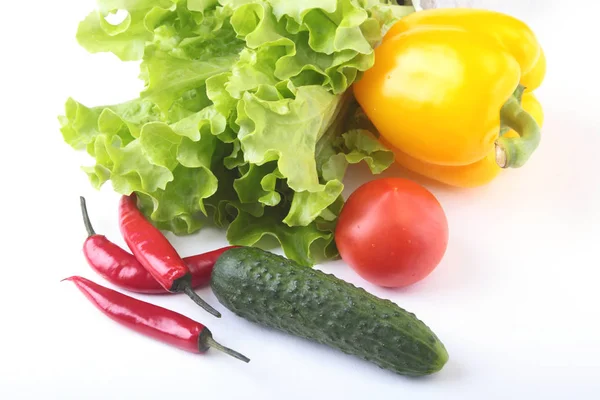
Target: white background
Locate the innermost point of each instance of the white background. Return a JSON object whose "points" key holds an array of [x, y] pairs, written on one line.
{"points": [[515, 300]]}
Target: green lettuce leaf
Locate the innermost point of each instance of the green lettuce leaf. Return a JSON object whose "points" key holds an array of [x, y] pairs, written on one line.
{"points": [[127, 39], [287, 131], [246, 120], [168, 77], [248, 230]]}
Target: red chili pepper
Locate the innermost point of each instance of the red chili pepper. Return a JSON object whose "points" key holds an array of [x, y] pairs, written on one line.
{"points": [[156, 254], [151, 320], [122, 269], [201, 265]]}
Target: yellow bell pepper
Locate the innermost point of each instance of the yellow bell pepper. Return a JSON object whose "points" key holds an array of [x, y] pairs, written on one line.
{"points": [[445, 82], [533, 79], [466, 176]]}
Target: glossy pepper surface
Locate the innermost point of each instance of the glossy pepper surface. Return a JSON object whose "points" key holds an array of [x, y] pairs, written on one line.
{"points": [[444, 84], [150, 320], [122, 269], [471, 175], [155, 253]]}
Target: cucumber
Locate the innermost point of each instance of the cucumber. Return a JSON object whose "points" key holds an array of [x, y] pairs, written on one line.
{"points": [[276, 292]]}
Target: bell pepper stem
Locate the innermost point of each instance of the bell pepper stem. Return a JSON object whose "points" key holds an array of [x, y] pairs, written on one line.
{"points": [[514, 152]]}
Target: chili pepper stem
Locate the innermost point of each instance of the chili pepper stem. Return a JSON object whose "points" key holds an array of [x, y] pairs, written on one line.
{"points": [[514, 152], [86, 217], [187, 289], [214, 344]]}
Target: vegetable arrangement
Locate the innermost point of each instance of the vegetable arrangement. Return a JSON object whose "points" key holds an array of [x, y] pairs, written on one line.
{"points": [[251, 112], [262, 287]]}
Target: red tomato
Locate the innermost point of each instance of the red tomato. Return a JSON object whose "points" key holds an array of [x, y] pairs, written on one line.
{"points": [[393, 232]]}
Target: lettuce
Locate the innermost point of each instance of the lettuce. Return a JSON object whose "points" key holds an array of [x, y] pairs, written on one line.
{"points": [[245, 121]]}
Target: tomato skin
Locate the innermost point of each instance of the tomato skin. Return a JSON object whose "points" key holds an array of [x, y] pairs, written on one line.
{"points": [[393, 232]]}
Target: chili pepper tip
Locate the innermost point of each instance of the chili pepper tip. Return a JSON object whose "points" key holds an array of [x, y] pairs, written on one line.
{"points": [[187, 289], [214, 344], [86, 217]]}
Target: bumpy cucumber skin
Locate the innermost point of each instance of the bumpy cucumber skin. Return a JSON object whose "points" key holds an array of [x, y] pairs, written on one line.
{"points": [[273, 291]]}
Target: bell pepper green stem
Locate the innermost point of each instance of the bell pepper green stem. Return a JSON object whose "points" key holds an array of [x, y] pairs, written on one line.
{"points": [[514, 152]]}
